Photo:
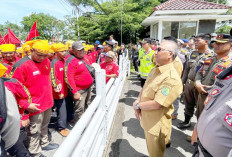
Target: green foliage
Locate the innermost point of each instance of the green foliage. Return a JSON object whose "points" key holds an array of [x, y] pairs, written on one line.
{"points": [[99, 26], [17, 29], [225, 26], [46, 24]]}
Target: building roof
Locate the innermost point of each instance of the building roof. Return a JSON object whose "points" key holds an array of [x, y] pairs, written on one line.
{"points": [[189, 5]]}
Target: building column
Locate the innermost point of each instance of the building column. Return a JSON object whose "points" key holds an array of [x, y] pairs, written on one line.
{"points": [[160, 28], [151, 31]]}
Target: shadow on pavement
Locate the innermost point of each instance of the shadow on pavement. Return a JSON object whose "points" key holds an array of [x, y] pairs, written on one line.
{"points": [[126, 149], [136, 83], [127, 101], [132, 93], [134, 128], [178, 139]]}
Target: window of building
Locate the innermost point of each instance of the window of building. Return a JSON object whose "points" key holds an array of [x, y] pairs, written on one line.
{"points": [[187, 29], [155, 31], [179, 29]]}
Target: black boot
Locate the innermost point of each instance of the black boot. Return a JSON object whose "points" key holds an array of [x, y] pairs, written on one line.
{"points": [[186, 123]]}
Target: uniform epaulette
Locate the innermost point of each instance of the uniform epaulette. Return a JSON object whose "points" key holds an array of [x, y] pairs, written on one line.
{"points": [[225, 73]]}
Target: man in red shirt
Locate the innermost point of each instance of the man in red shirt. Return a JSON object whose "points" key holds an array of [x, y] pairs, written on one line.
{"points": [[110, 66], [93, 53], [78, 78], [9, 57], [33, 72], [13, 93], [60, 88]]}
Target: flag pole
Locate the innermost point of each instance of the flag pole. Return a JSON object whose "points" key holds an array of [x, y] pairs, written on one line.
{"points": [[8, 35], [35, 29]]}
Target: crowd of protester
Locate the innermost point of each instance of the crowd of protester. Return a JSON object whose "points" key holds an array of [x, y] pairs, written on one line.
{"points": [[40, 78]]}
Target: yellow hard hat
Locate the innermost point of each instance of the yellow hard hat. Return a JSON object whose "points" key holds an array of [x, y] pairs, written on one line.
{"points": [[3, 69]]}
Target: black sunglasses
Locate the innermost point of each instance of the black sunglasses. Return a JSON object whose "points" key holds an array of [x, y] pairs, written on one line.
{"points": [[160, 49]]}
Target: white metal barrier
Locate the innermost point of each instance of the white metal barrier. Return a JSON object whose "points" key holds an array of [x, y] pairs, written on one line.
{"points": [[89, 136]]}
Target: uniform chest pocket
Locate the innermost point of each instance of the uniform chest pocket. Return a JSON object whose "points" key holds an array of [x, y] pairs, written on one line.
{"points": [[225, 116], [150, 92]]}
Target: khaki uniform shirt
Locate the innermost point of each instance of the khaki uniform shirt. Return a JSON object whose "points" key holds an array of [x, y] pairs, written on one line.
{"points": [[178, 65], [214, 126], [163, 85]]}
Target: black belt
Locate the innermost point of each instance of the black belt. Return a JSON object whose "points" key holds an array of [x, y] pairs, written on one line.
{"points": [[203, 150]]}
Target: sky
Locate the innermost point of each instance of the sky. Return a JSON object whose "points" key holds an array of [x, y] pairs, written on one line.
{"points": [[14, 10]]}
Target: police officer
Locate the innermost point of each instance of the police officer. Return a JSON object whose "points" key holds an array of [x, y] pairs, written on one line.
{"points": [[154, 103], [194, 63], [214, 127], [212, 67], [146, 61]]}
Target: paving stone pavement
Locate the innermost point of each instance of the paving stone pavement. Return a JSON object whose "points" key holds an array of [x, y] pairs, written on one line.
{"points": [[127, 137]]}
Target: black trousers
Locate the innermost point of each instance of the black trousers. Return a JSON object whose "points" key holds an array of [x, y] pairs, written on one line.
{"points": [[18, 149], [69, 107], [61, 113], [135, 63], [142, 82]]}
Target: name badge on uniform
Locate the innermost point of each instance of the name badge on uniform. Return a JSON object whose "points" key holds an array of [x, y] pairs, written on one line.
{"points": [[80, 62], [61, 69], [36, 73]]}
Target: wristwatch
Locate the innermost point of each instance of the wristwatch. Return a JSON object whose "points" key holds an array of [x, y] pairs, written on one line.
{"points": [[137, 106]]}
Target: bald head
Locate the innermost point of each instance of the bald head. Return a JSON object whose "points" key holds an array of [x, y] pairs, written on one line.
{"points": [[166, 52], [170, 45]]}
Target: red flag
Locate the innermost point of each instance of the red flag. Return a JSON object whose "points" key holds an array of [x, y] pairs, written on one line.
{"points": [[34, 32], [5, 39], [2, 41], [10, 38]]}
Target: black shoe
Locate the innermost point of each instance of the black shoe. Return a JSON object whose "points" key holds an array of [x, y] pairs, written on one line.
{"points": [[42, 155], [51, 146], [184, 125], [168, 145]]}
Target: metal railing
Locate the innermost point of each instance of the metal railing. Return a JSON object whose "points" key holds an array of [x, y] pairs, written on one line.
{"points": [[89, 136]]}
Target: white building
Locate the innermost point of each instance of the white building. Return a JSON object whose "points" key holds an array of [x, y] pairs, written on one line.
{"points": [[184, 18]]}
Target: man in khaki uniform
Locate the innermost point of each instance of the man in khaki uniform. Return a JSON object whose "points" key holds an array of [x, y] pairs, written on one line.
{"points": [[211, 68], [194, 63], [154, 104]]}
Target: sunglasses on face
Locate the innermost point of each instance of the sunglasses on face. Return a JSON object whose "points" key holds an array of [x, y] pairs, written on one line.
{"points": [[161, 49]]}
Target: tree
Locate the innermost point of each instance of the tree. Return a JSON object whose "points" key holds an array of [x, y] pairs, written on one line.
{"points": [[100, 24], [48, 26]]}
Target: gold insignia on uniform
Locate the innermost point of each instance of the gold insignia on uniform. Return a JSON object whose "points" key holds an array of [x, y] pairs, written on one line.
{"points": [[225, 58], [226, 63], [165, 90], [46, 67]]}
